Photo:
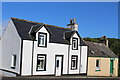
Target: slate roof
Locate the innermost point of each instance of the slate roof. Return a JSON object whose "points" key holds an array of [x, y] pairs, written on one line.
{"points": [[99, 50], [58, 34]]}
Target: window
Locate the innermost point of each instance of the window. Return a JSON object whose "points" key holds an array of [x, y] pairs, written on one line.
{"points": [[74, 62], [75, 43], [97, 65], [41, 62], [57, 63], [42, 39], [13, 61]]}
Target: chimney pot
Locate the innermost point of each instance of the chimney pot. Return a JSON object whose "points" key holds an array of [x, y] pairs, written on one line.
{"points": [[73, 25], [70, 21], [104, 40], [74, 20]]}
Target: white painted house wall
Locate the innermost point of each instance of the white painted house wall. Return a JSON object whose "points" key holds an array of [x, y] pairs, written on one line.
{"points": [[84, 51], [26, 57], [74, 52], [11, 44], [51, 50]]}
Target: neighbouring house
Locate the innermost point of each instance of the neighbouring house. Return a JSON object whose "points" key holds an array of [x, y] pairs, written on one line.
{"points": [[101, 60], [32, 48]]}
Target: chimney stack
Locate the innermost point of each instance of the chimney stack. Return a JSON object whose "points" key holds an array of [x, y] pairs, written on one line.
{"points": [[73, 26], [104, 40]]}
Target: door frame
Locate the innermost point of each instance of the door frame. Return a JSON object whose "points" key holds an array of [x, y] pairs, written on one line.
{"points": [[112, 66], [61, 64]]}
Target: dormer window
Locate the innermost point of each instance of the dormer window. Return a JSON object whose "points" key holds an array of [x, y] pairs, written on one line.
{"points": [[75, 43], [42, 39]]}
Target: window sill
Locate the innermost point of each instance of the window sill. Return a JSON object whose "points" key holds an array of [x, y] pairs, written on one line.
{"points": [[97, 70], [40, 70], [74, 49], [42, 46], [74, 68], [13, 67]]}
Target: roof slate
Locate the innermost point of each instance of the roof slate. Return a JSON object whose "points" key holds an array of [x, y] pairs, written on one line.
{"points": [[57, 33], [99, 50]]}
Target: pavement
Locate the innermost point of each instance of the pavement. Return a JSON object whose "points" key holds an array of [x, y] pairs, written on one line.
{"points": [[60, 78]]}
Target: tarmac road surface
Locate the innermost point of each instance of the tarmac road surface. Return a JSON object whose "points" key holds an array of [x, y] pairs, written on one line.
{"points": [[60, 78]]}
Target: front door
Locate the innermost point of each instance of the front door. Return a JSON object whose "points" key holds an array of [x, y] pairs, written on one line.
{"points": [[111, 66], [58, 65]]}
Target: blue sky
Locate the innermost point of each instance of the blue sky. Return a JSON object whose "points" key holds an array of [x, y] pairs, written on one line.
{"points": [[95, 19]]}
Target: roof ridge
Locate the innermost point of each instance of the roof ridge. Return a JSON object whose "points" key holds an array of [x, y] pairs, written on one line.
{"points": [[39, 23], [94, 42]]}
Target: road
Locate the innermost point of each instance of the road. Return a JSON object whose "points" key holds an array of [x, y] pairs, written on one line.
{"points": [[60, 78]]}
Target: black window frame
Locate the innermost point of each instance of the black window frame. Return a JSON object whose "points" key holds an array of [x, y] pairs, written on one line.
{"points": [[72, 68], [13, 61], [44, 62], [73, 39], [45, 39]]}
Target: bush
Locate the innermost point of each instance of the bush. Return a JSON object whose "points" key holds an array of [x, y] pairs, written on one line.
{"points": [[119, 72]]}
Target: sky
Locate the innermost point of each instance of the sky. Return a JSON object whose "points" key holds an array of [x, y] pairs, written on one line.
{"points": [[95, 19]]}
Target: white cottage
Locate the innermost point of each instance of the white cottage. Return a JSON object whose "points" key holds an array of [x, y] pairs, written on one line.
{"points": [[32, 48]]}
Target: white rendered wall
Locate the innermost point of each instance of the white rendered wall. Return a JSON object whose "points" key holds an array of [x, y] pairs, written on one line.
{"points": [[51, 50], [11, 44], [27, 57], [84, 50], [74, 52]]}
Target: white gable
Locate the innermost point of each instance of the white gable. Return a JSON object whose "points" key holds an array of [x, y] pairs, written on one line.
{"points": [[11, 44], [75, 35], [44, 30]]}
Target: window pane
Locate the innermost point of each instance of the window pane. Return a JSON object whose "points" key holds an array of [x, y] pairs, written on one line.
{"points": [[41, 65], [97, 63], [74, 61], [75, 43], [42, 39], [41, 62], [13, 61], [38, 64], [39, 40], [57, 63]]}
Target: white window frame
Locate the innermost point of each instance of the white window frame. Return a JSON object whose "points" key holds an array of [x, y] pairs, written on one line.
{"points": [[42, 39]]}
